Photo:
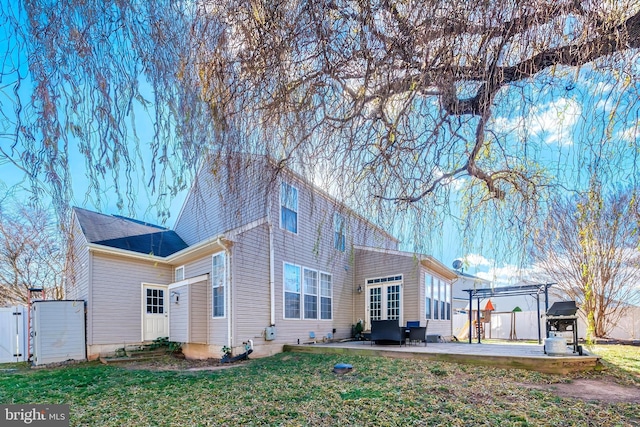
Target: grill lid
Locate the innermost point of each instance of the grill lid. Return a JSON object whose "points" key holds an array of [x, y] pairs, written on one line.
{"points": [[562, 308]]}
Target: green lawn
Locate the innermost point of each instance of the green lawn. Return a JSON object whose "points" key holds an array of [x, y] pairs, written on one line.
{"points": [[301, 389]]}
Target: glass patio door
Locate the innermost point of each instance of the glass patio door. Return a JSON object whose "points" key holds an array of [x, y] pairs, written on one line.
{"points": [[383, 302]]}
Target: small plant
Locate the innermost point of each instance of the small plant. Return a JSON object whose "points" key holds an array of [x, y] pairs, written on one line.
{"points": [[226, 351], [358, 328], [163, 342]]}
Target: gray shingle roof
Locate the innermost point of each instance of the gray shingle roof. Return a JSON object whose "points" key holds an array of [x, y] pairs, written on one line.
{"points": [[128, 234]]}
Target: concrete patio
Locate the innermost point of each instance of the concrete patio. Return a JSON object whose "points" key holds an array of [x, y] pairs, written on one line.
{"points": [[502, 355]]}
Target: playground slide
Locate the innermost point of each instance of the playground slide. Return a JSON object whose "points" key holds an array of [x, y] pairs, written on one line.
{"points": [[463, 333]]}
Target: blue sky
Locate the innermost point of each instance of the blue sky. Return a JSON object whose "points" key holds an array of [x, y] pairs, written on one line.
{"points": [[558, 116]]}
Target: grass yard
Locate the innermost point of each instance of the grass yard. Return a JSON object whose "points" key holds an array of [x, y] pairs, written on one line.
{"points": [[300, 389]]}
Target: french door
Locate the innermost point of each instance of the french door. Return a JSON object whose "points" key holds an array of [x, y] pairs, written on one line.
{"points": [[384, 302]]}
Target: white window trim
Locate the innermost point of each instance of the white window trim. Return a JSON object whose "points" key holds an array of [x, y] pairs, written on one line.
{"points": [[223, 286], [447, 286], [297, 210], [398, 279], [320, 273], [343, 232], [284, 291], [431, 277], [302, 293], [175, 273]]}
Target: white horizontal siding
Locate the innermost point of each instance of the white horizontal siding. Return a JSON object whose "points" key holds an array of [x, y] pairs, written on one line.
{"points": [[179, 315], [116, 309], [251, 290], [224, 196], [77, 266], [199, 314]]}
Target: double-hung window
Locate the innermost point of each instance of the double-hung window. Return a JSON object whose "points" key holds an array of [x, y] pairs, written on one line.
{"points": [[436, 298], [307, 293], [326, 297], [428, 292], [291, 291], [339, 237], [310, 294], [218, 282], [448, 300], [443, 302], [289, 207]]}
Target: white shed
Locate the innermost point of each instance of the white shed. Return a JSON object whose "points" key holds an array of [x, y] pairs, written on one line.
{"points": [[13, 333], [58, 331]]}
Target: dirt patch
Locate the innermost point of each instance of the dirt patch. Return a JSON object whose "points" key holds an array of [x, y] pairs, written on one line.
{"points": [[175, 364], [584, 389]]}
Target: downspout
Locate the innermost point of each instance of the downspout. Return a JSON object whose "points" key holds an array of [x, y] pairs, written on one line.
{"points": [[272, 284], [227, 261]]}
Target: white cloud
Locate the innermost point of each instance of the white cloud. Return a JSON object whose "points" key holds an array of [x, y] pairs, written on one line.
{"points": [[475, 260], [505, 275], [509, 274], [456, 183], [630, 134], [605, 105], [553, 121]]}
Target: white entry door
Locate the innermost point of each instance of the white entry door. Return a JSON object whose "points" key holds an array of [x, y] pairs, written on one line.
{"points": [[155, 318], [383, 302]]}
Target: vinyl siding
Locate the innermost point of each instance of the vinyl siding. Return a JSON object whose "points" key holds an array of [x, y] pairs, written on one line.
{"points": [[179, 315], [205, 328], [77, 268], [116, 310], [313, 247], [251, 291], [77, 271], [199, 312], [232, 196], [372, 264], [188, 318]]}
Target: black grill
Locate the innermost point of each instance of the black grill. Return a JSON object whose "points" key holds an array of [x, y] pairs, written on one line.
{"points": [[561, 317]]}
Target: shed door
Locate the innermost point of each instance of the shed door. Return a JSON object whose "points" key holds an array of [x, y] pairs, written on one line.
{"points": [[155, 318]]}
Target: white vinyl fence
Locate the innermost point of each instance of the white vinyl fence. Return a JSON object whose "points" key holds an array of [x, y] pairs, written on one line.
{"points": [[13, 334], [524, 325]]}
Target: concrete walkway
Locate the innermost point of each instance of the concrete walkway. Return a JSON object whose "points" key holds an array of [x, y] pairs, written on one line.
{"points": [[503, 355]]}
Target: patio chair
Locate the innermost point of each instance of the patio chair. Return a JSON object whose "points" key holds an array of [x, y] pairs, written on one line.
{"points": [[418, 334]]}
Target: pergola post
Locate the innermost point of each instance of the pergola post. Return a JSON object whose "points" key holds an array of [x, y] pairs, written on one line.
{"points": [[478, 321], [538, 305], [470, 317]]}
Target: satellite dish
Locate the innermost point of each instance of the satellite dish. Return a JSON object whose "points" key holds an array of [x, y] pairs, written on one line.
{"points": [[457, 264]]}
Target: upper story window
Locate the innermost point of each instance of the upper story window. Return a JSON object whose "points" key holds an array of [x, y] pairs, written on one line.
{"points": [[179, 274], [218, 284], [339, 237], [289, 207]]}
